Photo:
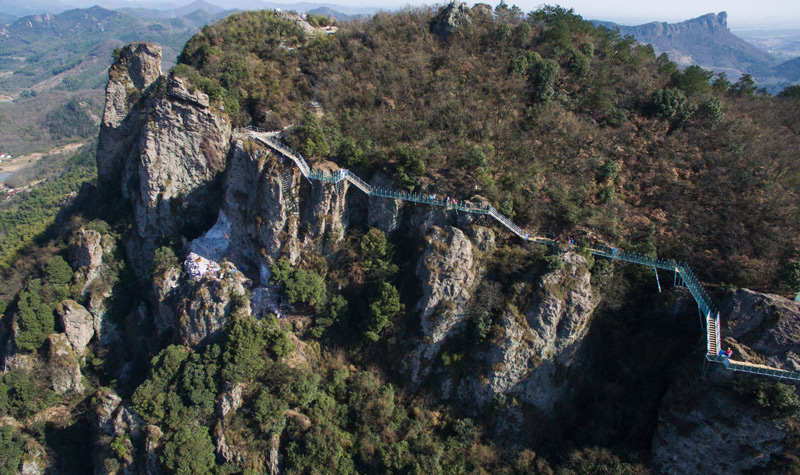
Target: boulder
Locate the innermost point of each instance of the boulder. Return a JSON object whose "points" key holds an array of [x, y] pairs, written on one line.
{"points": [[78, 324], [86, 249], [453, 16], [765, 327], [177, 88], [206, 308], [230, 400], [483, 9], [105, 404]]}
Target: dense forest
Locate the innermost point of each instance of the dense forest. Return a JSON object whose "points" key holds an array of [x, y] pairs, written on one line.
{"points": [[564, 127]]}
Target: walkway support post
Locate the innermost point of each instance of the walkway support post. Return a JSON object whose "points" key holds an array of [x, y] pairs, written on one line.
{"points": [[657, 281]]}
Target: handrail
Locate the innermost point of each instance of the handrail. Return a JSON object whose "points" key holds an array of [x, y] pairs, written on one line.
{"points": [[689, 279]]}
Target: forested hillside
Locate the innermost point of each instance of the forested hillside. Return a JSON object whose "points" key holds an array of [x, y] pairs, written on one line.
{"points": [[560, 124], [202, 308]]}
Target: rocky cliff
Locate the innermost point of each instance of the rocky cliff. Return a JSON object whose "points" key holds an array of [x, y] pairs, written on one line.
{"points": [[536, 349], [733, 422], [163, 145], [267, 211]]}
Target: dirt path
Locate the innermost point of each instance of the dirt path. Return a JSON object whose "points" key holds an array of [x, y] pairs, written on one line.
{"points": [[18, 163]]}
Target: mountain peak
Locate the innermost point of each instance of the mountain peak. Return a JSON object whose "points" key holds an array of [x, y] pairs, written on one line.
{"points": [[712, 21], [705, 41]]}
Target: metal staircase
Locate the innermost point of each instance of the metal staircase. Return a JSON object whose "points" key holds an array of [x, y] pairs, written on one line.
{"points": [[709, 315], [290, 198]]}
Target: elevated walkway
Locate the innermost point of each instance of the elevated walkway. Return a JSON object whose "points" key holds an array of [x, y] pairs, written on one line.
{"points": [[709, 315]]}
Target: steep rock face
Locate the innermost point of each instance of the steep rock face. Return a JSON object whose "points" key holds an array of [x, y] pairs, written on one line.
{"points": [[164, 286], [765, 327], [207, 307], [539, 345], [272, 212], [446, 274], [229, 402], [65, 371], [152, 444], [139, 65], [181, 149], [164, 145], [112, 417], [707, 427], [384, 214], [709, 433], [106, 330], [705, 41], [78, 324], [86, 255], [254, 203]]}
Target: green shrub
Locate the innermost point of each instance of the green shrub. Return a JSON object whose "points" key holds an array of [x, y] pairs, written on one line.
{"points": [[305, 286], [779, 399], [35, 319], [120, 447], [24, 393], [710, 113], [164, 260], [672, 105], [606, 194], [542, 79], [300, 285], [11, 450], [552, 263], [150, 398], [269, 411], [789, 277], [190, 451], [383, 309], [242, 358]]}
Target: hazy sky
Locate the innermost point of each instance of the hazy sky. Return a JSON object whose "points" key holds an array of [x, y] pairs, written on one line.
{"points": [[741, 13]]}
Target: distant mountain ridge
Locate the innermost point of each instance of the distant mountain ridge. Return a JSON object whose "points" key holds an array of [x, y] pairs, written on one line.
{"points": [[213, 11], [36, 49], [707, 41]]}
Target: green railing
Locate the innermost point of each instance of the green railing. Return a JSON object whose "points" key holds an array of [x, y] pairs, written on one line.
{"points": [[689, 279], [746, 368]]}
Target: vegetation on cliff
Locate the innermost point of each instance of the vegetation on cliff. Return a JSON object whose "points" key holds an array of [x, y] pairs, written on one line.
{"points": [[563, 126]]}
